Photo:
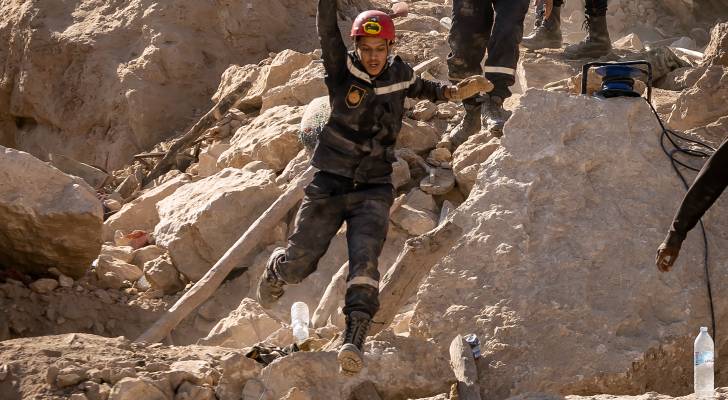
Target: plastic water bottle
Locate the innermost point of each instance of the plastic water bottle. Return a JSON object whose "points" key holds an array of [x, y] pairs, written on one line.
{"points": [[299, 321], [704, 353]]}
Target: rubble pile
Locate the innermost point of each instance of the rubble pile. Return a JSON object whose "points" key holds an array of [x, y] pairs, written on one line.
{"points": [[117, 203]]}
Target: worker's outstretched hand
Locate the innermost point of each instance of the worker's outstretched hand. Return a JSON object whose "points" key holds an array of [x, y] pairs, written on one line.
{"points": [[469, 87], [666, 256]]}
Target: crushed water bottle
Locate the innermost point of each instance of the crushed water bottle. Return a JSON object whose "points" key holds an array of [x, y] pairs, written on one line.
{"points": [[704, 357], [299, 321]]}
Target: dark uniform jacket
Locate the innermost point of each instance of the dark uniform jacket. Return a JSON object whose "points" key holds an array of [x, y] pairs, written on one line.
{"points": [[366, 112], [709, 184]]}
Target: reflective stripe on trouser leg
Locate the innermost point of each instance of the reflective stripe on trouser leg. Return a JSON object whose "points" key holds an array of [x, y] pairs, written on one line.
{"points": [[363, 280]]}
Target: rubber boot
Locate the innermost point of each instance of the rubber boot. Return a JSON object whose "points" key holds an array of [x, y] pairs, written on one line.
{"points": [[468, 126], [351, 354], [270, 286], [597, 42], [494, 115], [547, 33]]}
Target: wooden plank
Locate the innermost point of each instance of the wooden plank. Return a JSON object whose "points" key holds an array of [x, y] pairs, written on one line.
{"points": [[415, 261], [205, 287]]}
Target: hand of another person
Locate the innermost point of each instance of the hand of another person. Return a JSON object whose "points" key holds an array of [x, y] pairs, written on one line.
{"points": [[468, 88], [666, 256]]}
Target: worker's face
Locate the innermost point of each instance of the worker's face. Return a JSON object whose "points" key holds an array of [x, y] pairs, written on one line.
{"points": [[373, 53]]}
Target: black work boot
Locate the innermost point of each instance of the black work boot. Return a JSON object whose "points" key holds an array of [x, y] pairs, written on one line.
{"points": [[270, 286], [547, 33], [597, 42], [494, 115], [351, 354], [468, 126]]}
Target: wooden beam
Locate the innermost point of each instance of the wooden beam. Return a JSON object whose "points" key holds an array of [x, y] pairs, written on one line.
{"points": [[205, 287], [415, 261]]}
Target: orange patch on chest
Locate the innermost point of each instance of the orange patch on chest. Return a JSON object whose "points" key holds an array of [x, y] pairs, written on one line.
{"points": [[355, 96]]}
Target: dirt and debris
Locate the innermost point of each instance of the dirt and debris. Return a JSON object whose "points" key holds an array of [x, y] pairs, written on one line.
{"points": [[110, 218]]}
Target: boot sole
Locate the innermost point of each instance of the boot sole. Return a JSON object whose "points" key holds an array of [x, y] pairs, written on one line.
{"points": [[350, 360]]}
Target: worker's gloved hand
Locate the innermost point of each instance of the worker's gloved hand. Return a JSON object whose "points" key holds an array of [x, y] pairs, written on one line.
{"points": [[666, 256], [468, 88]]}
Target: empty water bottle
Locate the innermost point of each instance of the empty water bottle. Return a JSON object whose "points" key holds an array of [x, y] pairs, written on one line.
{"points": [[704, 356], [299, 321]]}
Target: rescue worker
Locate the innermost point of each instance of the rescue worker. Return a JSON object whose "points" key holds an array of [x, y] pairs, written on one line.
{"points": [[354, 154], [477, 25], [547, 31], [708, 186]]}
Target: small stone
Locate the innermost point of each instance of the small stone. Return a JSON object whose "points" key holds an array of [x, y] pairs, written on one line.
{"points": [[188, 391], [136, 389], [420, 200], [438, 183], [439, 155], [162, 275], [69, 379], [65, 281], [124, 253], [424, 110], [629, 42], [146, 254], [414, 221], [112, 272], [400, 173], [44, 285], [447, 110], [78, 396], [112, 205]]}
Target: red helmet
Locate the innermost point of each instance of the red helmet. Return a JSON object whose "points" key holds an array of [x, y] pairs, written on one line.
{"points": [[373, 23]]}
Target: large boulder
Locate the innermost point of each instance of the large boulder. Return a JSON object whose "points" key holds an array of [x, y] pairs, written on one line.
{"points": [[141, 213], [704, 103], [277, 73], [49, 219], [100, 82], [201, 220], [555, 271], [302, 86], [717, 50], [271, 138]]}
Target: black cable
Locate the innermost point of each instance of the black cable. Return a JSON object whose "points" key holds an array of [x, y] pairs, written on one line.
{"points": [[705, 153]]}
